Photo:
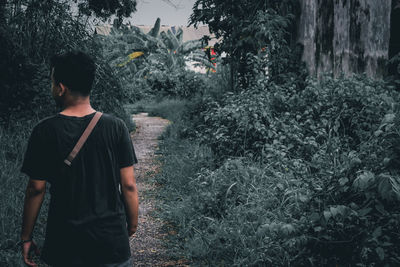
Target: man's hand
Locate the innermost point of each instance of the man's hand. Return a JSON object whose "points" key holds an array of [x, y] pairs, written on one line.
{"points": [[27, 248], [131, 230]]}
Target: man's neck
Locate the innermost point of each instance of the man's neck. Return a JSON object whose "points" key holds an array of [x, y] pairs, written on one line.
{"points": [[78, 108]]}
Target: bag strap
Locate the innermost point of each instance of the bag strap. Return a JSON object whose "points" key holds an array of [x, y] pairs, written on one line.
{"points": [[82, 139]]}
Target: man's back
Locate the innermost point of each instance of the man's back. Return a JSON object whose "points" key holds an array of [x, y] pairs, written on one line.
{"points": [[86, 213]]}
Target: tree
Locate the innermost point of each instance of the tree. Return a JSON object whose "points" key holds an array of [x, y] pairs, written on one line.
{"points": [[143, 53], [152, 58], [31, 31], [261, 27], [106, 8]]}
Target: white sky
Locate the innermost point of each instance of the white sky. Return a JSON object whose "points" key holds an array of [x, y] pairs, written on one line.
{"points": [[149, 10]]}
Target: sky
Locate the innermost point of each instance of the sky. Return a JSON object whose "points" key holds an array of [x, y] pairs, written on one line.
{"points": [[149, 10]]}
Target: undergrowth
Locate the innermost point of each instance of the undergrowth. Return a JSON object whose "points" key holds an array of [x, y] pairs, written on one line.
{"points": [[169, 108], [13, 141], [286, 176]]}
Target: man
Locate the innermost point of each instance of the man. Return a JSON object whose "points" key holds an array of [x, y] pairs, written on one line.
{"points": [[94, 201]]}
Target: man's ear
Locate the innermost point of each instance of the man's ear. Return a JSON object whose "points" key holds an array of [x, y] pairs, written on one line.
{"points": [[63, 89]]}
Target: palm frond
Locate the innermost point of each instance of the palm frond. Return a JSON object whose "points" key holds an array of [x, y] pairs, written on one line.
{"points": [[156, 29]]}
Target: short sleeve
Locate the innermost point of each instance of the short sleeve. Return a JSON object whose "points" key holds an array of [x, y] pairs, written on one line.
{"points": [[126, 151], [38, 162]]}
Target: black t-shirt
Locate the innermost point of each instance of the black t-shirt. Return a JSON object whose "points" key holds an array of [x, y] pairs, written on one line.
{"points": [[86, 218]]}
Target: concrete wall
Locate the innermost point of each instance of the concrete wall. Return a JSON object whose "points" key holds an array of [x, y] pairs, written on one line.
{"points": [[350, 36]]}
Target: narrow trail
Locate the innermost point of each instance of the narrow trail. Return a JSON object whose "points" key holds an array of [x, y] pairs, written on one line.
{"points": [[146, 245]]}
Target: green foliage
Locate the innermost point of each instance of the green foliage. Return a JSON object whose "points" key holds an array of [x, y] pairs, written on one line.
{"points": [[232, 215], [12, 147], [348, 109], [252, 28], [171, 109], [31, 36], [14, 92], [159, 69], [177, 84], [106, 8], [287, 176]]}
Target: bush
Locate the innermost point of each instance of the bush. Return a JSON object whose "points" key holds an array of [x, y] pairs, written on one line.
{"points": [[171, 109], [350, 109], [13, 142], [42, 29], [45, 28], [182, 84], [325, 190]]}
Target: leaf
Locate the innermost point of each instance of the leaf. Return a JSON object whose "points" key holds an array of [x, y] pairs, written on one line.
{"points": [[364, 211], [363, 180], [386, 244], [303, 198], [262, 230], [156, 29], [334, 211], [229, 189], [377, 232], [343, 181], [318, 229], [343, 210], [314, 217], [389, 187], [389, 118], [385, 188], [135, 55], [386, 161], [287, 229], [378, 133], [327, 215], [379, 207], [381, 253]]}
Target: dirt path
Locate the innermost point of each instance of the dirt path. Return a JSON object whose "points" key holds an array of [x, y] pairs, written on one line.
{"points": [[146, 245]]}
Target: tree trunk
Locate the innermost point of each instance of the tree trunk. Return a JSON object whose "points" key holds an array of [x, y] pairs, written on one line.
{"points": [[345, 36]]}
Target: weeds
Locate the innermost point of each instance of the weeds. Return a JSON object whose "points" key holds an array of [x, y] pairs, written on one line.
{"points": [[286, 177], [13, 141]]}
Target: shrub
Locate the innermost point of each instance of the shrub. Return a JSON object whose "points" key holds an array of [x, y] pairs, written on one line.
{"points": [[171, 109], [13, 141], [179, 84], [244, 123], [44, 28], [325, 190]]}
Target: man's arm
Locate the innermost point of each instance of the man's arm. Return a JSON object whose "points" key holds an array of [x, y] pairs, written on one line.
{"points": [[34, 196], [131, 198]]}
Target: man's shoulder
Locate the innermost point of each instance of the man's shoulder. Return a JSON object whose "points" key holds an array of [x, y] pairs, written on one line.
{"points": [[45, 123], [112, 119]]}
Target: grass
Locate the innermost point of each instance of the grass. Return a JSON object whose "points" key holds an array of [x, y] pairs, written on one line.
{"points": [[170, 109], [13, 142], [232, 215], [239, 213]]}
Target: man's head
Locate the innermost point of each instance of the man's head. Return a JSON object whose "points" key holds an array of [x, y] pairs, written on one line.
{"points": [[72, 71]]}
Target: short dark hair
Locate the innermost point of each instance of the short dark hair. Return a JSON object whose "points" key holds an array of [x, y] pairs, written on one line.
{"points": [[74, 69]]}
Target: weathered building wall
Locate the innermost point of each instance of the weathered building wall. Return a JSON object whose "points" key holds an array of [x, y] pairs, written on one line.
{"points": [[350, 36]]}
